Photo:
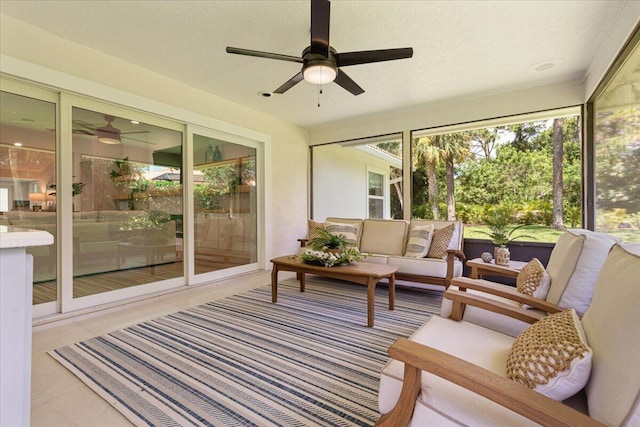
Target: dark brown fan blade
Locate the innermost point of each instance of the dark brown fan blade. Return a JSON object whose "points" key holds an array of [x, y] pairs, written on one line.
{"points": [[290, 83], [320, 15], [268, 55], [84, 124], [138, 140], [369, 56], [345, 81], [83, 132]]}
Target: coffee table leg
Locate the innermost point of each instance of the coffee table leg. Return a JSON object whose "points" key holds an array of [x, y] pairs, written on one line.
{"points": [[371, 292], [274, 284], [302, 281], [392, 292]]}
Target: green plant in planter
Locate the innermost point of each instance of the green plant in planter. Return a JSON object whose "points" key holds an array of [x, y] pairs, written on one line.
{"points": [[327, 240], [501, 230]]}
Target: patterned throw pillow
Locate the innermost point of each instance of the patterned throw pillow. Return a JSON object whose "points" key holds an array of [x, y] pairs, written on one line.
{"points": [[313, 229], [440, 242], [349, 231], [419, 241], [533, 280], [552, 356]]}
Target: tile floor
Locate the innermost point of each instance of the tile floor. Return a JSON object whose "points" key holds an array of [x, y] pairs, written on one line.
{"points": [[59, 399]]}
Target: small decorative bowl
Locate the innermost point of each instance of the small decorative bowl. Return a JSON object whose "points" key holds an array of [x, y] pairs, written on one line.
{"points": [[486, 256]]}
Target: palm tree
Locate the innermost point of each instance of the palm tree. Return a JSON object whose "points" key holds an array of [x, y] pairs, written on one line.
{"points": [[454, 147], [427, 149]]}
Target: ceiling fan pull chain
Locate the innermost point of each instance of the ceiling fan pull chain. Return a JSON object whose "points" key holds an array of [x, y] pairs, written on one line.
{"points": [[319, 92]]}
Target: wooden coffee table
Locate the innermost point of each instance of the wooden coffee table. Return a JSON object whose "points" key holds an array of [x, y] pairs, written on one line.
{"points": [[364, 273]]}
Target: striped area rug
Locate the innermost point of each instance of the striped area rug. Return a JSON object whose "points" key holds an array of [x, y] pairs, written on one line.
{"points": [[308, 360]]}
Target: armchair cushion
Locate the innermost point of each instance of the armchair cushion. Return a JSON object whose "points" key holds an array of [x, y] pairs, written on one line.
{"points": [[533, 280], [440, 241], [419, 241], [552, 356]]}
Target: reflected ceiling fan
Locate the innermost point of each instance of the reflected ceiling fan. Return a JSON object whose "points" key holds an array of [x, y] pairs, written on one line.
{"points": [[107, 134], [320, 62]]}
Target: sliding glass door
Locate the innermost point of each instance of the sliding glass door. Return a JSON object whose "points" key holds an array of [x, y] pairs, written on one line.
{"points": [[225, 183]]}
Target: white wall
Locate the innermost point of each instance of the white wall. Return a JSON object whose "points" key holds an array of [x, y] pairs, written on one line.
{"points": [[32, 54], [340, 181]]}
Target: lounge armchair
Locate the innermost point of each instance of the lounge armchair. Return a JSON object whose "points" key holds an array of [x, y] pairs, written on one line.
{"points": [[455, 372], [572, 270]]}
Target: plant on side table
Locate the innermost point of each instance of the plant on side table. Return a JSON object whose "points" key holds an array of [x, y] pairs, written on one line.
{"points": [[501, 232]]}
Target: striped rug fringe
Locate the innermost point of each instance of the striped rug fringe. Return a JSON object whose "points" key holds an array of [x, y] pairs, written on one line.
{"points": [[308, 360]]}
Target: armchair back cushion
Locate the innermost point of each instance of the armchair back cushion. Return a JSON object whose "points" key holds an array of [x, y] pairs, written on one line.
{"points": [[562, 263], [384, 236], [611, 326], [579, 290]]}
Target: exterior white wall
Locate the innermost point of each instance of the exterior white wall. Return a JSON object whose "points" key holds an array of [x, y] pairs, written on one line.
{"points": [[32, 54], [340, 181]]}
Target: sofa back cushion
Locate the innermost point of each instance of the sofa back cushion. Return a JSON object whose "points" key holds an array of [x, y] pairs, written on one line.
{"points": [[611, 326], [384, 236]]}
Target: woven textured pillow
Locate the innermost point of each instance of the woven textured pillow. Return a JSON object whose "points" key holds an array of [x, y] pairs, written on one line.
{"points": [[552, 356], [349, 231], [533, 280], [313, 229], [440, 241], [419, 241]]}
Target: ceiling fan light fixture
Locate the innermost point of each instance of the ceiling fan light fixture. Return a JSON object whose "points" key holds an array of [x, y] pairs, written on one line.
{"points": [[320, 74], [109, 140]]}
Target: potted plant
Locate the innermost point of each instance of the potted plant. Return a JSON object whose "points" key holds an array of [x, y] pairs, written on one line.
{"points": [[328, 242], [501, 234], [330, 250]]}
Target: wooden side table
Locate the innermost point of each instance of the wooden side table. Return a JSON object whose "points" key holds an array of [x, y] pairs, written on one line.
{"points": [[479, 268]]}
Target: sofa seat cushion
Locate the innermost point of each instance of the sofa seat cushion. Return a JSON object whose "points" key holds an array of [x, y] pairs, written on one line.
{"points": [[384, 236], [498, 322], [440, 399], [425, 266]]}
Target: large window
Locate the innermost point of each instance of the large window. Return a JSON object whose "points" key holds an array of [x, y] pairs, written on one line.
{"points": [[617, 151], [524, 172]]}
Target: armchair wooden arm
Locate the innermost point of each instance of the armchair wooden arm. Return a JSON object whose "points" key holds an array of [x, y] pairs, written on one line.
{"points": [[460, 300], [504, 291], [511, 395]]}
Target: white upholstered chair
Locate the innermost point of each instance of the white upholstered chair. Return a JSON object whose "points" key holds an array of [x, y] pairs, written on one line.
{"points": [[573, 269], [453, 373]]}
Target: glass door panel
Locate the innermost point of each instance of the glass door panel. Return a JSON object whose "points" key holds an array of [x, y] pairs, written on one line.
{"points": [[225, 204], [127, 203], [27, 172]]}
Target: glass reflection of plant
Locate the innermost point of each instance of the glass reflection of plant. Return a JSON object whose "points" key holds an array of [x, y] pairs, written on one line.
{"points": [[129, 175]]}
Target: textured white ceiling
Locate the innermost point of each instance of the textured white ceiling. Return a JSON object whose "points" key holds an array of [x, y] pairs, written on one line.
{"points": [[461, 48]]}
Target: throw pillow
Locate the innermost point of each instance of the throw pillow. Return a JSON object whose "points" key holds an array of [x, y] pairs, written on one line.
{"points": [[552, 356], [349, 231], [440, 241], [419, 241], [313, 229], [533, 280]]}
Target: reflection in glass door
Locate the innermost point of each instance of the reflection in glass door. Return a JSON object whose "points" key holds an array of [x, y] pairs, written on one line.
{"points": [[127, 203], [27, 173], [225, 204]]}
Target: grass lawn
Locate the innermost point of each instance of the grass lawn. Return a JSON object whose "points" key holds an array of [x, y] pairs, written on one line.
{"points": [[544, 234], [538, 233]]}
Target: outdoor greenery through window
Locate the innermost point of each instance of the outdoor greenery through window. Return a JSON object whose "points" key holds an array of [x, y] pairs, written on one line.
{"points": [[617, 152], [525, 174]]}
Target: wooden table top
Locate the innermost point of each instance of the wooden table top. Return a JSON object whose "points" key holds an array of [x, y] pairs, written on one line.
{"points": [[359, 268]]}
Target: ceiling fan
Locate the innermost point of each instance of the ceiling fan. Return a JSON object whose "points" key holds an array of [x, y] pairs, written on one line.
{"points": [[320, 62], [107, 134]]}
